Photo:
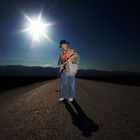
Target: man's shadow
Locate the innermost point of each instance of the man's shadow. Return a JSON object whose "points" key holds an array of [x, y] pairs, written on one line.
{"points": [[80, 120]]}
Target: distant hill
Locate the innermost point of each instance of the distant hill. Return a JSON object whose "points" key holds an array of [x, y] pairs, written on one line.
{"points": [[33, 71], [87, 73], [37, 71]]}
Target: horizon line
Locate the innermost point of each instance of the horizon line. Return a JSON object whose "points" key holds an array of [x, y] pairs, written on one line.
{"points": [[78, 69]]}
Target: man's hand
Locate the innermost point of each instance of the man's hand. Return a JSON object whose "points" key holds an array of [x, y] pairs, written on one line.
{"points": [[69, 60], [60, 67]]}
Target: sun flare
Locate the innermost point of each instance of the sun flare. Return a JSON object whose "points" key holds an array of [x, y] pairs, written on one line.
{"points": [[37, 28]]}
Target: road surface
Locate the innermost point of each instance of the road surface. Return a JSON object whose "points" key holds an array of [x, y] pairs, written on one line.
{"points": [[101, 111]]}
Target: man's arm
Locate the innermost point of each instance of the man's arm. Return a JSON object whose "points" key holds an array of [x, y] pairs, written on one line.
{"points": [[76, 59]]}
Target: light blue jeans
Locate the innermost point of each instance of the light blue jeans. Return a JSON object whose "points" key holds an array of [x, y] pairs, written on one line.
{"points": [[64, 80]]}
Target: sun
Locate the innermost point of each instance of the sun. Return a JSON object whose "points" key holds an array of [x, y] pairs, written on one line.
{"points": [[36, 27]]}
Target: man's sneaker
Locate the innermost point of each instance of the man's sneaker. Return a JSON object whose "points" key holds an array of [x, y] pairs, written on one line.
{"points": [[70, 99], [61, 99]]}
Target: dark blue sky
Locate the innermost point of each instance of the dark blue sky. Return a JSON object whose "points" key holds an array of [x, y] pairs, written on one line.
{"points": [[106, 34]]}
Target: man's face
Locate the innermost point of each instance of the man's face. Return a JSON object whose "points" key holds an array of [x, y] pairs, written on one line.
{"points": [[64, 46]]}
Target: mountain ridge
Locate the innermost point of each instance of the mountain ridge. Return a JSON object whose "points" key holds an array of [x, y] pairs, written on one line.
{"points": [[39, 71]]}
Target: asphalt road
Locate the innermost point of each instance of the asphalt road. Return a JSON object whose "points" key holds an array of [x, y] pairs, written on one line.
{"points": [[101, 111]]}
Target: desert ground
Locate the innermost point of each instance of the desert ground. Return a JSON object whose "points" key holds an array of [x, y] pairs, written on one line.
{"points": [[100, 111]]}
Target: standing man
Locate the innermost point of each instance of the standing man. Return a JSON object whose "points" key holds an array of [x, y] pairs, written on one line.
{"points": [[68, 64]]}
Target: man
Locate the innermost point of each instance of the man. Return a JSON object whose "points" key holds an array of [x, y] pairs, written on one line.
{"points": [[68, 58]]}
